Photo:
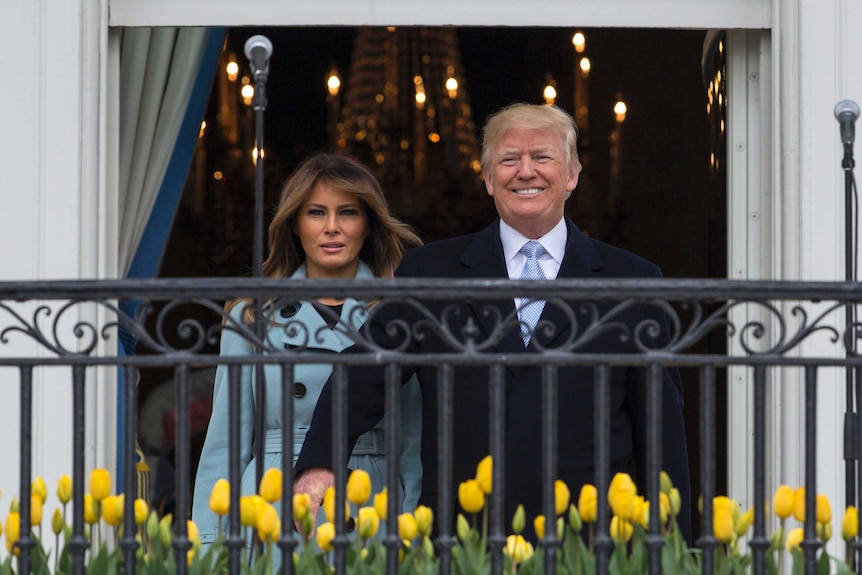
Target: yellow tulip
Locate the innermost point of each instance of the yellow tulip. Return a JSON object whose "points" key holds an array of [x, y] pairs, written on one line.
{"points": [[640, 504], [64, 489], [782, 501], [484, 474], [165, 532], [358, 487], [100, 483], [724, 502], [744, 522], [722, 524], [13, 532], [268, 524], [621, 495], [643, 517], [850, 523], [424, 520], [799, 505], [518, 549], [91, 509], [220, 497], [823, 509], [470, 496], [301, 506], [794, 538], [153, 525], [325, 535], [39, 489], [407, 528], [539, 526], [562, 495], [141, 511], [675, 501], [192, 532], [621, 530], [380, 504], [369, 522], [519, 519], [329, 505], [665, 484], [270, 485], [248, 510], [587, 503], [664, 510], [823, 531], [112, 510], [575, 519], [57, 522], [35, 510], [462, 528]]}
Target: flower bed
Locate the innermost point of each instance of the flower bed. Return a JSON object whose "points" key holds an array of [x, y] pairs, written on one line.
{"points": [[574, 527]]}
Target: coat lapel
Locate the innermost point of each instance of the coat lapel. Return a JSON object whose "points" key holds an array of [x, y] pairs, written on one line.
{"points": [[483, 258], [303, 326], [581, 261]]}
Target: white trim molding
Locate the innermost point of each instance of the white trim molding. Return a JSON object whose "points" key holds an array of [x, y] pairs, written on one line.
{"points": [[751, 14]]}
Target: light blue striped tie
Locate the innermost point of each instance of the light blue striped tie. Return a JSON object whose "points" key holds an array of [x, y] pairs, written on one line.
{"points": [[531, 310]]}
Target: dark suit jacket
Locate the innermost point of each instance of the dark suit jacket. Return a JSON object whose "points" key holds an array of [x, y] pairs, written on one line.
{"points": [[480, 255]]}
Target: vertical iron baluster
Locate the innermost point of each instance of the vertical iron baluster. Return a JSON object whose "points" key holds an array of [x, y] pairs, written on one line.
{"points": [[78, 544], [339, 461], [856, 559], [809, 544], [287, 542], [759, 544], [550, 542], [181, 446], [25, 541], [234, 540], [707, 541], [393, 451], [602, 542], [445, 427], [654, 540], [497, 536], [130, 476]]}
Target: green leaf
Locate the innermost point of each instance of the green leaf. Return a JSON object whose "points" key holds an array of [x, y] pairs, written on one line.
{"points": [[6, 567], [823, 564]]}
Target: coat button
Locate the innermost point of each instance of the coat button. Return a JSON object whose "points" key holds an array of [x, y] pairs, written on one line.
{"points": [[299, 390], [289, 310]]}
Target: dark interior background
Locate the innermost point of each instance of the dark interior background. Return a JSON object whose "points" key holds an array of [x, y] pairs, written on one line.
{"points": [[670, 209]]}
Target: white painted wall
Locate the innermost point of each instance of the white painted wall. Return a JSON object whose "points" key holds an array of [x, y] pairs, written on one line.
{"points": [[54, 216]]}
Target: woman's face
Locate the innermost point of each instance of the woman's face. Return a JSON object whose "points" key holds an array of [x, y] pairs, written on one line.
{"points": [[332, 227]]}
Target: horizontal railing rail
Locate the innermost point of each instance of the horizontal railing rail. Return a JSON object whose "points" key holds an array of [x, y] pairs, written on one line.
{"points": [[762, 325]]}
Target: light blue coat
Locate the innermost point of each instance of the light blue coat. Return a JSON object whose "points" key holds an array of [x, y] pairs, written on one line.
{"points": [[318, 338]]}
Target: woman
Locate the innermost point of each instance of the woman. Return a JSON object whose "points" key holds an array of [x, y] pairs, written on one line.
{"points": [[332, 222]]}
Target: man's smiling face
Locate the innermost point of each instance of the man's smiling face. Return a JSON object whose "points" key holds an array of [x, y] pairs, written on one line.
{"points": [[530, 180]]}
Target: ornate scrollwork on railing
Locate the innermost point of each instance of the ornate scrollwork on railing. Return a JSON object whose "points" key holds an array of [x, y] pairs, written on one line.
{"points": [[652, 323]]}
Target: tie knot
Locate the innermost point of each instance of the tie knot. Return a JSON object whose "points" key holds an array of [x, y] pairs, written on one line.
{"points": [[532, 249]]}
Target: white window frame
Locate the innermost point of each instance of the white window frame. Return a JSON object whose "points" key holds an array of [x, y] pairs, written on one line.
{"points": [[750, 167]]}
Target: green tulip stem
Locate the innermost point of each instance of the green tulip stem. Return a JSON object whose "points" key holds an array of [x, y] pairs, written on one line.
{"points": [[781, 545]]}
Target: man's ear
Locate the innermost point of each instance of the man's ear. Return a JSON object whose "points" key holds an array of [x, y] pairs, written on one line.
{"points": [[487, 176], [572, 181]]}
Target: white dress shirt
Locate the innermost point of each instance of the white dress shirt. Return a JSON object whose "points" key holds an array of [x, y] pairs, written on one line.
{"points": [[554, 243]]}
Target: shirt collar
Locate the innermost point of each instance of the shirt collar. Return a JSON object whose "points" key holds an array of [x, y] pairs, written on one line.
{"points": [[554, 241]]}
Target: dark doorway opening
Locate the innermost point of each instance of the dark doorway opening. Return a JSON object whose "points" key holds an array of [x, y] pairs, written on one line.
{"points": [[648, 185]]}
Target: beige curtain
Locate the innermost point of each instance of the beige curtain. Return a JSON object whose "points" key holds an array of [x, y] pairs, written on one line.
{"points": [[158, 69]]}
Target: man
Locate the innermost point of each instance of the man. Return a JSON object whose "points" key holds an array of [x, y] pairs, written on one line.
{"points": [[530, 167]]}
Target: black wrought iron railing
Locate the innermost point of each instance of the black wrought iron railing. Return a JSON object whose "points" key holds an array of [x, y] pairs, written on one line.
{"points": [[769, 327]]}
